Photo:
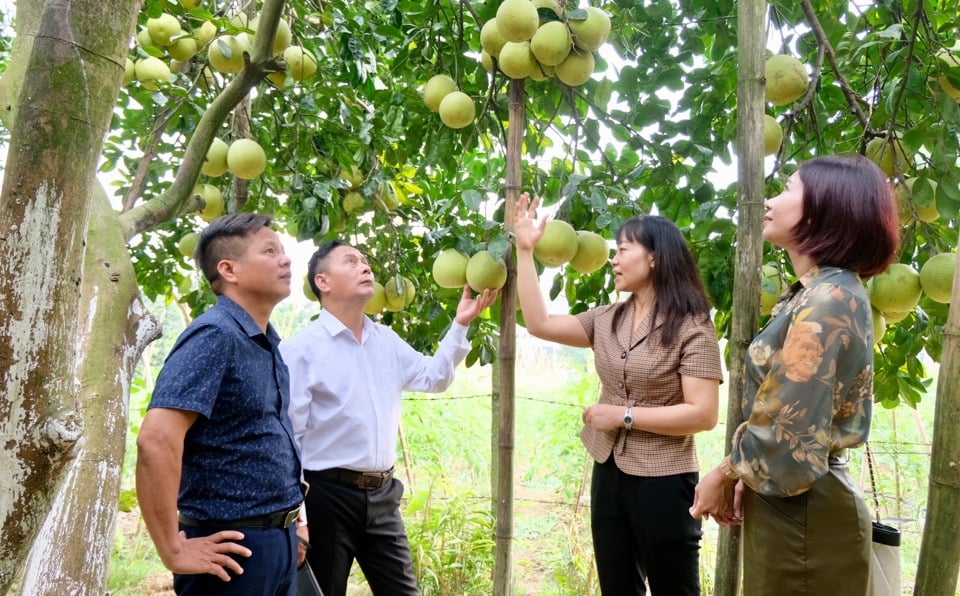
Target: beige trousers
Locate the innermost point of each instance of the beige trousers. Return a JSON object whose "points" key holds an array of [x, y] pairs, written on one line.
{"points": [[814, 544]]}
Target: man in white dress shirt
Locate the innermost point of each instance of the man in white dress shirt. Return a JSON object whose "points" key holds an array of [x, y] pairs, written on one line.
{"points": [[347, 375]]}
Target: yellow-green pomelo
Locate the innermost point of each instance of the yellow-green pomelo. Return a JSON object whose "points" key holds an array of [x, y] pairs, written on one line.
{"points": [[542, 72], [516, 60], [184, 48], [895, 290], [300, 62], [936, 276], [129, 71], [949, 60], [927, 213], [352, 201], [307, 290], [281, 38], [486, 61], [457, 110], [205, 33], [557, 245], [786, 79], [772, 135], [592, 252], [576, 69], [353, 175], [438, 87], [399, 292], [590, 33], [163, 28], [771, 286], [879, 325], [895, 317], [189, 4], [485, 272], [212, 202], [150, 71], [226, 53], [490, 39], [517, 20], [905, 207], [551, 43], [215, 163], [378, 301], [450, 268], [891, 156], [188, 243], [246, 159]]}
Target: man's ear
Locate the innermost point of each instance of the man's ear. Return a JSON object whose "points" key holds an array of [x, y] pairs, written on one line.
{"points": [[321, 280], [226, 270]]}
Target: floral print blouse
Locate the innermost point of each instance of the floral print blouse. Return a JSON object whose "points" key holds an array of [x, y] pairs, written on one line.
{"points": [[808, 387]]}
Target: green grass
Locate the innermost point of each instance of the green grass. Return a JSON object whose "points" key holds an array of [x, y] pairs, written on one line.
{"points": [[449, 512]]}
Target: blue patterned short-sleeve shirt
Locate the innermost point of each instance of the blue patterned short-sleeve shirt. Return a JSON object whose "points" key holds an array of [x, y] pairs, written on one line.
{"points": [[239, 458]]}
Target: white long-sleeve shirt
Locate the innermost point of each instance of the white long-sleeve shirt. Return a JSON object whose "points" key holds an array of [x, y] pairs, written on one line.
{"points": [[345, 395]]}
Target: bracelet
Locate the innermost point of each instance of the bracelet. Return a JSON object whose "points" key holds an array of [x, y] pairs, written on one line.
{"points": [[727, 470]]}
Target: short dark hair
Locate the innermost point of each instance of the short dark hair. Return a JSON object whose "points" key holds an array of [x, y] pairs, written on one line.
{"points": [[317, 263], [226, 238], [676, 279], [849, 215]]}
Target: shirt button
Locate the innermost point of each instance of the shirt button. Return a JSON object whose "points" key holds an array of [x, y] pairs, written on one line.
{"points": [[623, 355], [620, 385]]}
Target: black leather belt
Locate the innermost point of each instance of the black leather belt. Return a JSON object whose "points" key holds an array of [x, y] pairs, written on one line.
{"points": [[281, 519], [361, 480]]}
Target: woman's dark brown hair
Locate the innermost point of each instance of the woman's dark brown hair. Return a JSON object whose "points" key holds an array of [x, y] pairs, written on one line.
{"points": [[849, 215]]}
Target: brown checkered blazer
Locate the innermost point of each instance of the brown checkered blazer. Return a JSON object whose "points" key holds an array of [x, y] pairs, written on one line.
{"points": [[639, 371]]}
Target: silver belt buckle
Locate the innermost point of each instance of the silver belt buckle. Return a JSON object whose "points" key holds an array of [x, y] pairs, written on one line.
{"points": [[370, 481], [291, 517]]}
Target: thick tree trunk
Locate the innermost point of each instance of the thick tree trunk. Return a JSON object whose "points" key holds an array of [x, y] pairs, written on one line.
{"points": [[72, 552], [939, 563], [64, 109], [746, 283], [503, 556]]}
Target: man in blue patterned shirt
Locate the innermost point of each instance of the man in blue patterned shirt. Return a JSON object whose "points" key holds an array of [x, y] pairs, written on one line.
{"points": [[218, 470]]}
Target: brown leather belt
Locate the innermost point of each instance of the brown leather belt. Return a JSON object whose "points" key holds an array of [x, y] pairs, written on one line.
{"points": [[281, 519], [361, 480]]}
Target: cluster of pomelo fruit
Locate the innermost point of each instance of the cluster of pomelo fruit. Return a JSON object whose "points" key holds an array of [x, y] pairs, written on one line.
{"points": [[895, 292], [539, 39], [166, 42]]}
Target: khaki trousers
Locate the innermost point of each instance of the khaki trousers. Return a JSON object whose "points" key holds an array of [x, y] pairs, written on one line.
{"points": [[815, 544]]}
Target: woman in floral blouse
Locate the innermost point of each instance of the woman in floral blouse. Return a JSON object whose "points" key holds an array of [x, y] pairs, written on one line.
{"points": [[808, 389]]}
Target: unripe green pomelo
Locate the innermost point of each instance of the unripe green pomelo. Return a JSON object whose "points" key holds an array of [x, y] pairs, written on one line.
{"points": [[517, 20], [188, 243], [438, 87], [212, 202], [486, 273], [163, 28], [149, 71], [300, 62], [215, 163], [591, 33], [879, 325], [771, 286], [928, 212], [225, 53], [551, 43], [772, 135], [490, 39], [246, 159], [516, 60], [891, 156], [895, 290], [457, 109], [378, 301], [396, 297], [592, 252], [450, 269], [308, 291], [786, 79], [183, 49], [936, 276], [352, 201], [557, 245], [576, 69]]}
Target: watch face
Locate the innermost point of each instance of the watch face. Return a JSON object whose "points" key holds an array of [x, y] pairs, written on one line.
{"points": [[628, 419]]}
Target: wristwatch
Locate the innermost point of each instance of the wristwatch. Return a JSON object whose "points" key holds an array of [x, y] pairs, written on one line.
{"points": [[628, 419]]}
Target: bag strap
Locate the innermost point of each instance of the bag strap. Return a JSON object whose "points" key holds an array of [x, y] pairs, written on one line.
{"points": [[873, 483]]}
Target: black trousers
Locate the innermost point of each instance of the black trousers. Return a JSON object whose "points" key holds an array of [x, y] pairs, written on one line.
{"points": [[643, 532], [348, 523]]}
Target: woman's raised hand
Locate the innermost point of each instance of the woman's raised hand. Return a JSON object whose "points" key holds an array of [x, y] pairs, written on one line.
{"points": [[525, 228]]}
